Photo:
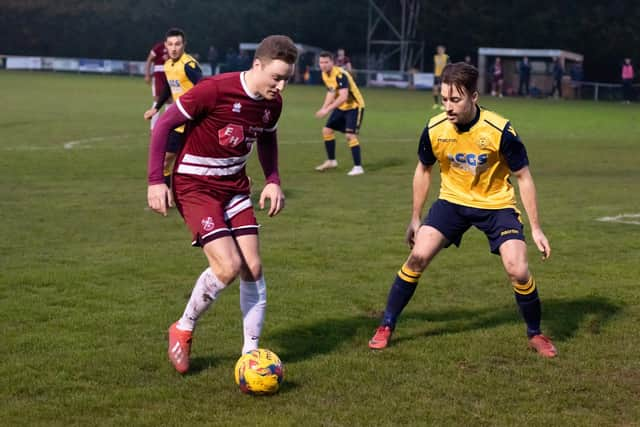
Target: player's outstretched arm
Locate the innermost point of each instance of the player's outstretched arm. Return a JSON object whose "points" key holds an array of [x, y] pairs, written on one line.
{"points": [[158, 195], [164, 97], [421, 184], [147, 67], [323, 111], [268, 156], [528, 196]]}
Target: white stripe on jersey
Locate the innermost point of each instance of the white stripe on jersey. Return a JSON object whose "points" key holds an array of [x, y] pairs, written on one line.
{"points": [[182, 110], [158, 68], [205, 171], [213, 161]]}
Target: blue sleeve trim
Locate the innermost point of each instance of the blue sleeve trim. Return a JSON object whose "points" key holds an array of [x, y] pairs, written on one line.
{"points": [[513, 149], [425, 151], [343, 81], [193, 72]]}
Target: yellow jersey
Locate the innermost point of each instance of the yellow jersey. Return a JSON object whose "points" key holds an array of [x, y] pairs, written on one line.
{"points": [[439, 62], [337, 79], [475, 160], [182, 74]]}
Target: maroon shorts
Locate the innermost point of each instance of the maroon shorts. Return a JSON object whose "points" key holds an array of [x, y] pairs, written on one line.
{"points": [[158, 83], [211, 213]]}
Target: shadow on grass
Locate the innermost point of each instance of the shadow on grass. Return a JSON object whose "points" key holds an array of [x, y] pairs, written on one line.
{"points": [[386, 163], [562, 320], [202, 363]]}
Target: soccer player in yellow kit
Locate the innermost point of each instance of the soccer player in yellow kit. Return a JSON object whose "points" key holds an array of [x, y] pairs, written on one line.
{"points": [[182, 72], [478, 151], [440, 60], [346, 105]]}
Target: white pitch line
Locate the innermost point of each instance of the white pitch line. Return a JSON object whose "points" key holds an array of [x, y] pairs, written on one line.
{"points": [[70, 144], [622, 219], [377, 140]]}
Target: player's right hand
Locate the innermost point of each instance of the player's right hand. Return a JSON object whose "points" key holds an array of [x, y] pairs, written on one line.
{"points": [[150, 113], [158, 197], [412, 230], [147, 78]]}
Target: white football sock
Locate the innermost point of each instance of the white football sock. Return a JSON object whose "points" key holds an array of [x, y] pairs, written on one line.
{"points": [[203, 295], [253, 303]]}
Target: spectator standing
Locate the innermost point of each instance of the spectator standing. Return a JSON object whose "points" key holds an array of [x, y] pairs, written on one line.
{"points": [[497, 78], [557, 72], [627, 80], [525, 77]]}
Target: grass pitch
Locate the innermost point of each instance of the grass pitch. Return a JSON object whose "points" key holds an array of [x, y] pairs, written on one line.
{"points": [[90, 280]]}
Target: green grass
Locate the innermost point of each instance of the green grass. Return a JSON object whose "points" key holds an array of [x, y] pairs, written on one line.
{"points": [[90, 280]]}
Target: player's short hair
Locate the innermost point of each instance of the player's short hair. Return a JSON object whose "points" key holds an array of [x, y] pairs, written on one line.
{"points": [[277, 47], [175, 32], [462, 76], [327, 54]]}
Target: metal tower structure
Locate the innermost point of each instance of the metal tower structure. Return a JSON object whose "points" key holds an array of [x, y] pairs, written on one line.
{"points": [[391, 35]]}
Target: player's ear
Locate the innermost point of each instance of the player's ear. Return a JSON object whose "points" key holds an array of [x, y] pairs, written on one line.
{"points": [[474, 96]]}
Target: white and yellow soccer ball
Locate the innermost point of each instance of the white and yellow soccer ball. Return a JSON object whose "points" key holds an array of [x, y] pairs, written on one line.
{"points": [[259, 372]]}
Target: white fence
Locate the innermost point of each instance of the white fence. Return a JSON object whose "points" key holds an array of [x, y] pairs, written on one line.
{"points": [[78, 65], [370, 78]]}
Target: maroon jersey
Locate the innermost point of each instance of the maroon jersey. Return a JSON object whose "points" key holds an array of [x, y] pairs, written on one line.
{"points": [[160, 56], [226, 121]]}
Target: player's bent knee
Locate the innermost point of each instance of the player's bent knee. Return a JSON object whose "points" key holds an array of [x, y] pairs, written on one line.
{"points": [[418, 262], [227, 270], [518, 272]]}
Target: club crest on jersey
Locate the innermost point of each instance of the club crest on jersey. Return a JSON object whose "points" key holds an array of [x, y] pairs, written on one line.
{"points": [[207, 223], [236, 107], [231, 135], [483, 141], [266, 117]]}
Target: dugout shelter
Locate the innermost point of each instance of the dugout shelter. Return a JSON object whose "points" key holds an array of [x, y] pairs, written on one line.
{"points": [[541, 61]]}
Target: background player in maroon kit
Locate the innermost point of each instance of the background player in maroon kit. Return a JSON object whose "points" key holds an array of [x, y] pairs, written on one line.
{"points": [[226, 116], [154, 73]]}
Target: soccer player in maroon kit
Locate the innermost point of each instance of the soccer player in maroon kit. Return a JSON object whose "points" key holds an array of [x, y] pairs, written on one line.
{"points": [[154, 73], [226, 116]]}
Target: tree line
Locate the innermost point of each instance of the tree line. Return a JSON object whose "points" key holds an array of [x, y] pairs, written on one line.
{"points": [[605, 32]]}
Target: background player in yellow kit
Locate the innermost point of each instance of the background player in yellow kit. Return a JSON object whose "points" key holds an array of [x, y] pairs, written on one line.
{"points": [[440, 60], [182, 72], [478, 151], [346, 105]]}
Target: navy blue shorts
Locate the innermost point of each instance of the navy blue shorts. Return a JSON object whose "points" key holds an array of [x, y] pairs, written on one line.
{"points": [[346, 121], [176, 140], [452, 220]]}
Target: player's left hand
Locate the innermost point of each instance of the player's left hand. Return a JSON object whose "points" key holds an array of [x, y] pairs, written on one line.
{"points": [[274, 193], [541, 242]]}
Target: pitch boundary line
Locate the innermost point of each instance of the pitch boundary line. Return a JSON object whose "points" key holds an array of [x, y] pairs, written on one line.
{"points": [[633, 218], [84, 142], [70, 144]]}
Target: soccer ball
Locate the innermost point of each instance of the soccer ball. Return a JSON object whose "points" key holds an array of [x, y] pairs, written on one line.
{"points": [[259, 372]]}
